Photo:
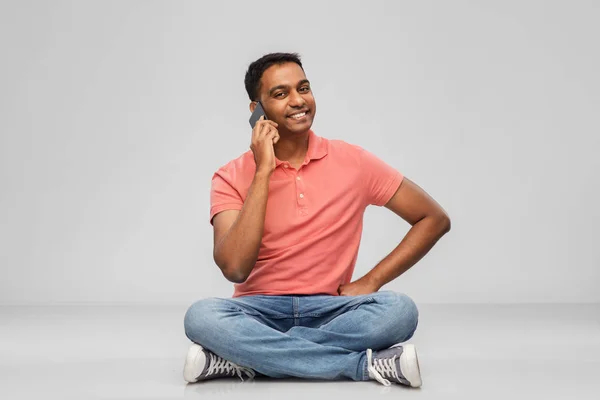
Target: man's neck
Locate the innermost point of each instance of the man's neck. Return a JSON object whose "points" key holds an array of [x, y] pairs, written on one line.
{"points": [[292, 148]]}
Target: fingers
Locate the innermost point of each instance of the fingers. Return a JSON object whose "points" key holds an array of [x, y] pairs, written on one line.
{"points": [[262, 124], [267, 130], [272, 134]]}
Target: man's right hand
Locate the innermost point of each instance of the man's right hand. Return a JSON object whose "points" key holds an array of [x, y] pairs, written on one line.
{"points": [[264, 136]]}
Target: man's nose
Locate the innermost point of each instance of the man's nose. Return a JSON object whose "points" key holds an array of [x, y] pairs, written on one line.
{"points": [[296, 99]]}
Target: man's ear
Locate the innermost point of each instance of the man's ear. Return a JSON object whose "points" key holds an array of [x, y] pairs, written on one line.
{"points": [[253, 106]]}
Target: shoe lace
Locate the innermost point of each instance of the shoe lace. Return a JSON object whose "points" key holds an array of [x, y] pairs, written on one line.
{"points": [[218, 365], [382, 368]]}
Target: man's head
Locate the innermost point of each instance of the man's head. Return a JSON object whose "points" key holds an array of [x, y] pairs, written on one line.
{"points": [[278, 81]]}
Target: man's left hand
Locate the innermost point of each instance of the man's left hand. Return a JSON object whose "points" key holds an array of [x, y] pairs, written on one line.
{"points": [[356, 288]]}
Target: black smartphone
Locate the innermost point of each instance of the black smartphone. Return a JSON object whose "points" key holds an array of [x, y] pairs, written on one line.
{"points": [[256, 114]]}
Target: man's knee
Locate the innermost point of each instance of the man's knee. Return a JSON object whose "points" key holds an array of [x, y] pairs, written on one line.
{"points": [[199, 318], [408, 306], [403, 311]]}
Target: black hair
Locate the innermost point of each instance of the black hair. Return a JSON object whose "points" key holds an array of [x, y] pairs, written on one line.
{"points": [[258, 67]]}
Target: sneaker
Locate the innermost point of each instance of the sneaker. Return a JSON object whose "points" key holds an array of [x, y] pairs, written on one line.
{"points": [[202, 364], [397, 363]]}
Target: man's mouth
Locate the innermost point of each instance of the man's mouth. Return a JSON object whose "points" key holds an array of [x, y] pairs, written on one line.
{"points": [[300, 115]]}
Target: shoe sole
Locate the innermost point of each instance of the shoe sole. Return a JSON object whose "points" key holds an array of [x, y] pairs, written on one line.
{"points": [[191, 369], [409, 363]]}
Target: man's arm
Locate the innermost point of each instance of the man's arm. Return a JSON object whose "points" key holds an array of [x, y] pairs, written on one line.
{"points": [[429, 223], [238, 234]]}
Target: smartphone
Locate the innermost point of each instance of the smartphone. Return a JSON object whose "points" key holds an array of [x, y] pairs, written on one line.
{"points": [[256, 114]]}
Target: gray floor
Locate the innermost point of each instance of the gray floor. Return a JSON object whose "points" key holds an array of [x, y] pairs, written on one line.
{"points": [[479, 351]]}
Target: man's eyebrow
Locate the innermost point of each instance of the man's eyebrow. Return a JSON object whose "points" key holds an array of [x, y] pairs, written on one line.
{"points": [[303, 81]]}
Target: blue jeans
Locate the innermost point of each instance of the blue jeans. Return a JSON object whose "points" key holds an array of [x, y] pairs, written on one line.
{"points": [[304, 336]]}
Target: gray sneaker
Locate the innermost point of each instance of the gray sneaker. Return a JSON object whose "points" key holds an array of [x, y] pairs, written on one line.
{"points": [[202, 364], [398, 363]]}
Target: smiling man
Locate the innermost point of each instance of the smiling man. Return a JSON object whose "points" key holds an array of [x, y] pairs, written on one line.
{"points": [[287, 218]]}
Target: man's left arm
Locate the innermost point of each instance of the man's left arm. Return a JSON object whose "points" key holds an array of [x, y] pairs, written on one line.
{"points": [[429, 223]]}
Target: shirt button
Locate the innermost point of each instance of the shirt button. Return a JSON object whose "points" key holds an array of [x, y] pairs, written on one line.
{"points": [[297, 178], [301, 195], [285, 165]]}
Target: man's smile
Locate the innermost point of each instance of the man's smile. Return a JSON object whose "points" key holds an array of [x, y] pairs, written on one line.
{"points": [[299, 115]]}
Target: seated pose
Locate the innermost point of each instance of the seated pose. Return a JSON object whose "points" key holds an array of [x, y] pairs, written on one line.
{"points": [[287, 217]]}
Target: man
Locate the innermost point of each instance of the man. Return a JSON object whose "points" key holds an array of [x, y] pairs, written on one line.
{"points": [[287, 218]]}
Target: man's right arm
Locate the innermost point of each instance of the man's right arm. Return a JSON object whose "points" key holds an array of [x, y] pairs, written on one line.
{"points": [[238, 234]]}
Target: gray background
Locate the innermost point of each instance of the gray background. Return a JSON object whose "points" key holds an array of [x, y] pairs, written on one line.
{"points": [[114, 116]]}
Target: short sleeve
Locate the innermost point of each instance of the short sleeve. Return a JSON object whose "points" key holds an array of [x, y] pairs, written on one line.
{"points": [[223, 195], [380, 179]]}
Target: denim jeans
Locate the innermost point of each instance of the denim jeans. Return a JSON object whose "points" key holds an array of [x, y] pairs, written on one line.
{"points": [[303, 336]]}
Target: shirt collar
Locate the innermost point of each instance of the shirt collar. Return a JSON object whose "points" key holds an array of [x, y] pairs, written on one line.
{"points": [[317, 146]]}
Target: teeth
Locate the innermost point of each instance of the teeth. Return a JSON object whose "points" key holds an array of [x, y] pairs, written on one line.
{"points": [[299, 115]]}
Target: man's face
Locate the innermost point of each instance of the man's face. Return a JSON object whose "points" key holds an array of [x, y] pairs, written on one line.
{"points": [[285, 91]]}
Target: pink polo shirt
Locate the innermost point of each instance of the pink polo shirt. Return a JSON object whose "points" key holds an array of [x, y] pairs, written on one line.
{"points": [[314, 217]]}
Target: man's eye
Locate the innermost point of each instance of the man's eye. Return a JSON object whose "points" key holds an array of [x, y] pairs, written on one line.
{"points": [[277, 95], [306, 87]]}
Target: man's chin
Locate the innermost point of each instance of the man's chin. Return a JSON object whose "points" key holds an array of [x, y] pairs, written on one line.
{"points": [[299, 129]]}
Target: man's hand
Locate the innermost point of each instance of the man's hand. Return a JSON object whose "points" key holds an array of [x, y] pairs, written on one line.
{"points": [[358, 287], [264, 136]]}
